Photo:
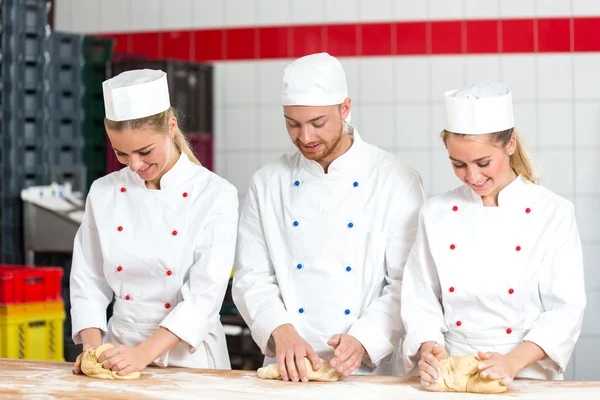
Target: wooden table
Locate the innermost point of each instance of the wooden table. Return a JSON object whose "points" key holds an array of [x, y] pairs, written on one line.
{"points": [[20, 379]]}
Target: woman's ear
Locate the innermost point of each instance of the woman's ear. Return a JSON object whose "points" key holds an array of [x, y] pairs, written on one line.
{"points": [[511, 147], [172, 127]]}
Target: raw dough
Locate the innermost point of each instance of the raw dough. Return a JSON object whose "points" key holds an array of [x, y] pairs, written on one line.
{"points": [[324, 374], [460, 374], [91, 367]]}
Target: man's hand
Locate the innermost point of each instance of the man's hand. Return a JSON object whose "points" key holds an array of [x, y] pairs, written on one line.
{"points": [[429, 365], [349, 353], [291, 350]]}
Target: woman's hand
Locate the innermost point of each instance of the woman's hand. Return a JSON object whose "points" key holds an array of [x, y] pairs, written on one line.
{"points": [[77, 364], [496, 366], [124, 359], [429, 364]]}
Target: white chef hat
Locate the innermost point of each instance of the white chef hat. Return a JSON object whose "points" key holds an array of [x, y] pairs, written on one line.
{"points": [[136, 94], [314, 80], [480, 109]]}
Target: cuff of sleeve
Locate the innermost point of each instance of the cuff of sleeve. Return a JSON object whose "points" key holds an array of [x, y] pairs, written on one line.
{"points": [[376, 344], [412, 344], [87, 315], [263, 327], [552, 361], [188, 324]]}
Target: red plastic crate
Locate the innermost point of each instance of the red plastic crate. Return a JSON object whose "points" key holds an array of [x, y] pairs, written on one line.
{"points": [[20, 284], [202, 145]]}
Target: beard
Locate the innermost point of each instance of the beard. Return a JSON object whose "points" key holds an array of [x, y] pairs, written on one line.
{"points": [[327, 147]]}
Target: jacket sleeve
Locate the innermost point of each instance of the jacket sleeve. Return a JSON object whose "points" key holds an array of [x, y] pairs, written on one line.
{"points": [[256, 292], [421, 307], [89, 290], [562, 292], [203, 292], [379, 328]]}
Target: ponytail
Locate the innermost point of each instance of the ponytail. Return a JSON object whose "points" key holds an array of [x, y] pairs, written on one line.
{"points": [[183, 145]]}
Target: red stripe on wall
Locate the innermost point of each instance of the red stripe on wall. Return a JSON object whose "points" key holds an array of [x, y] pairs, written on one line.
{"points": [[368, 39]]}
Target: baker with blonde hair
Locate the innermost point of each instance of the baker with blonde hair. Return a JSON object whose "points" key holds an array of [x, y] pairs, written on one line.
{"points": [[496, 270], [158, 236]]}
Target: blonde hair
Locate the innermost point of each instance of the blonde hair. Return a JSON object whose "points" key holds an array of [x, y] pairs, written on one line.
{"points": [[160, 123], [519, 160]]}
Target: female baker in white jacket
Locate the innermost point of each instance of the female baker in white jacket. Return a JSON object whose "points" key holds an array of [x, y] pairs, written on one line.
{"points": [[496, 270], [159, 236]]}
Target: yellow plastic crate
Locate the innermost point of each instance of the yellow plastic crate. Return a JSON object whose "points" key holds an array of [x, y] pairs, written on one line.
{"points": [[32, 331]]}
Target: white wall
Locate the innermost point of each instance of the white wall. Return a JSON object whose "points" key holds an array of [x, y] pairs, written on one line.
{"points": [[398, 100]]}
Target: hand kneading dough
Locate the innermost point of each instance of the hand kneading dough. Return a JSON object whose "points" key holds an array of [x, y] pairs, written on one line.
{"points": [[91, 367], [460, 374], [324, 374]]}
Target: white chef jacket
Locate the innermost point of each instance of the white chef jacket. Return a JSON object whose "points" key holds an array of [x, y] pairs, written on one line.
{"points": [[488, 278], [165, 254], [325, 252]]}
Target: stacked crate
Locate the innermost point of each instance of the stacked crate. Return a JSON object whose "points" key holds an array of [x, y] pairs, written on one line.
{"points": [[25, 36], [31, 313], [64, 94], [191, 94], [97, 54]]}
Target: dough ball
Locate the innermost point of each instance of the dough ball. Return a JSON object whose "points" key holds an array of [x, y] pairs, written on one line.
{"points": [[460, 374], [91, 367], [324, 374]]}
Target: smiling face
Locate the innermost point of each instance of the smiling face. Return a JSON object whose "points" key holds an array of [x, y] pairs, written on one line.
{"points": [[148, 153], [481, 163], [318, 131]]}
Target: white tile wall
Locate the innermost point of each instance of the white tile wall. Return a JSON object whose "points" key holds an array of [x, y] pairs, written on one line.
{"points": [[587, 124], [446, 9], [553, 8], [519, 73], [341, 10], [587, 355], [308, 11], [526, 121], [586, 66], [586, 8], [85, 16], [177, 14], [398, 101], [208, 14], [240, 12], [114, 15], [557, 170], [273, 12], [587, 165], [412, 87], [410, 10], [376, 80], [376, 10], [482, 69], [482, 8], [591, 262], [556, 124], [447, 72], [555, 77]]}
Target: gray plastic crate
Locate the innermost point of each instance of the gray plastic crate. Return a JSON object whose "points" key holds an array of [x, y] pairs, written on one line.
{"points": [[66, 48], [65, 101], [24, 131], [25, 75], [65, 76], [65, 132], [75, 174], [27, 16], [65, 155], [14, 180], [22, 103]]}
